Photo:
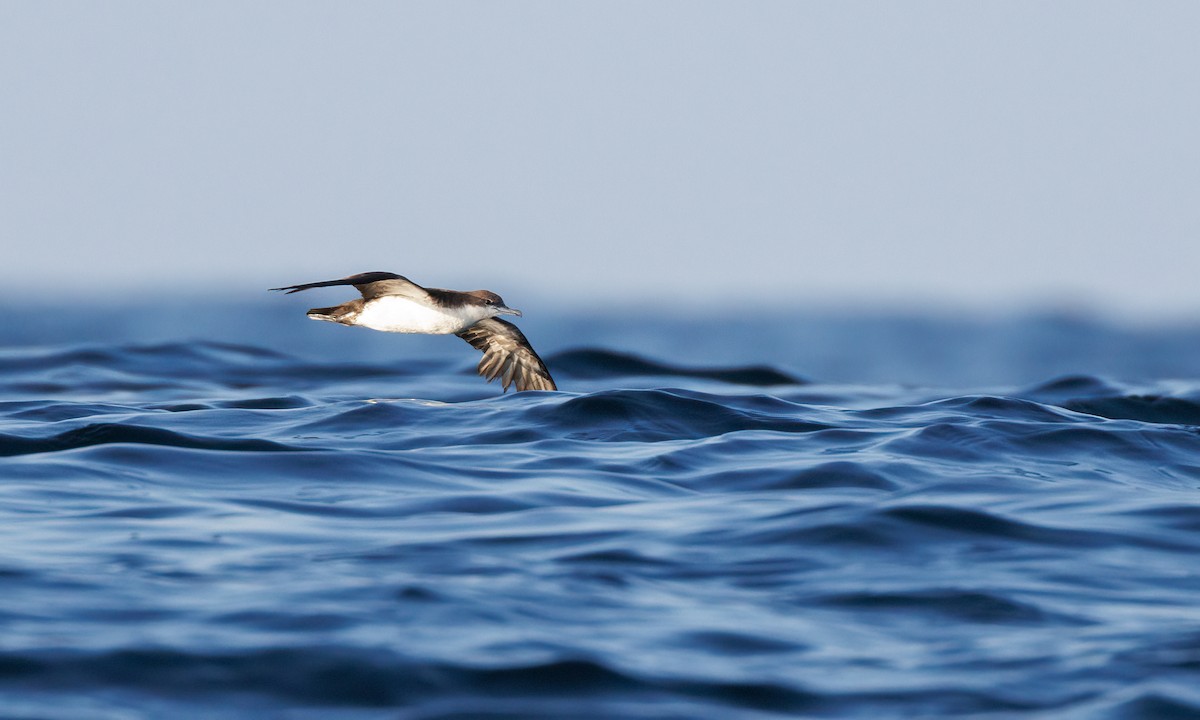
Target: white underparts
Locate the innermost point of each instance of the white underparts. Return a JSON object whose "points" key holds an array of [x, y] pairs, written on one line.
{"points": [[392, 313]]}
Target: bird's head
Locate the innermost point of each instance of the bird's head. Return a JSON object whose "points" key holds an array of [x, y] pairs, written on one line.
{"points": [[494, 303]]}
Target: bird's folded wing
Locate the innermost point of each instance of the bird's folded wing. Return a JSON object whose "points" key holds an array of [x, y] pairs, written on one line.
{"points": [[370, 284], [507, 355]]}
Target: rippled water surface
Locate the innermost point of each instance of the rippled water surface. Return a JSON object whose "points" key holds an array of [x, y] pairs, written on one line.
{"points": [[214, 511]]}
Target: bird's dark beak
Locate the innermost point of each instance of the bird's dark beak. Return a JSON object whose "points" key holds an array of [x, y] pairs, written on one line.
{"points": [[502, 310]]}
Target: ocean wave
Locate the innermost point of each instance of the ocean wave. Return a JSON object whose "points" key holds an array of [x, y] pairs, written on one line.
{"points": [[335, 677], [115, 433], [208, 528], [600, 363]]}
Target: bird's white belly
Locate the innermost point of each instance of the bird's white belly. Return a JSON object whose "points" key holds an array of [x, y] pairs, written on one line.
{"points": [[397, 314]]}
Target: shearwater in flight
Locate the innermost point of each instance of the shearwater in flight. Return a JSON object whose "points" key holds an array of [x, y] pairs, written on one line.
{"points": [[393, 303]]}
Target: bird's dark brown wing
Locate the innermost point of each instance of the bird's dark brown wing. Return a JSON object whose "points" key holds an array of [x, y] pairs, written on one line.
{"points": [[507, 355], [370, 284]]}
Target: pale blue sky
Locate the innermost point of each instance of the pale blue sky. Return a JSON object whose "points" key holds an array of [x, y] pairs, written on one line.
{"points": [[947, 153]]}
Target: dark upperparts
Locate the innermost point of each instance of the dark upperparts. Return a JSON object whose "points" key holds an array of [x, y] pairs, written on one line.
{"points": [[358, 280], [450, 298]]}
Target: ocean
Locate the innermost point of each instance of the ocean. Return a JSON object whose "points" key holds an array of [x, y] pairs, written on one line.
{"points": [[214, 509]]}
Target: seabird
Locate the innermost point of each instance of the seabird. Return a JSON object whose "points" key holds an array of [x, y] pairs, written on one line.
{"points": [[393, 303]]}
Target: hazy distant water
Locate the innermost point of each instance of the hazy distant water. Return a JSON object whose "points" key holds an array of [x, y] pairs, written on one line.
{"points": [[224, 511]]}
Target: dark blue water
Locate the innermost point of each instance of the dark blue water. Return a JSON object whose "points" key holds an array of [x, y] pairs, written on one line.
{"points": [[221, 511]]}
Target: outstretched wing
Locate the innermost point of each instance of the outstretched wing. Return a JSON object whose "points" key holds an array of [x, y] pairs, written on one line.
{"points": [[507, 355], [370, 284]]}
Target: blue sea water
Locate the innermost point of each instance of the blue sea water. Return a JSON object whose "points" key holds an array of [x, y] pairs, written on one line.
{"points": [[220, 510]]}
